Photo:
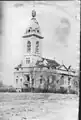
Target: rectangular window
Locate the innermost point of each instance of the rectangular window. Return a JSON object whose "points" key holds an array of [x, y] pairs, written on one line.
{"points": [[40, 81], [16, 80], [32, 81], [27, 60], [21, 80]]}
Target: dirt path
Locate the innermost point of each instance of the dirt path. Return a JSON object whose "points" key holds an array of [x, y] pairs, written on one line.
{"points": [[38, 106]]}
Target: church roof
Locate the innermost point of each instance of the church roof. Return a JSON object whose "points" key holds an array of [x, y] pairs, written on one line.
{"points": [[62, 67], [47, 63]]}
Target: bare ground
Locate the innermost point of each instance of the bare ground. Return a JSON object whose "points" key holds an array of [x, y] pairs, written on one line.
{"points": [[38, 106]]}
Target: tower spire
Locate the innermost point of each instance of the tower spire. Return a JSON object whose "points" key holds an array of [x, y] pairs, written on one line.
{"points": [[33, 11]]}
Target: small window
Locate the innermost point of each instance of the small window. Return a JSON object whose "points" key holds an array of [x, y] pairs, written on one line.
{"points": [[32, 81], [62, 76], [27, 60], [69, 80], [50, 79], [16, 80], [27, 77], [29, 30], [38, 31], [21, 80], [40, 80]]}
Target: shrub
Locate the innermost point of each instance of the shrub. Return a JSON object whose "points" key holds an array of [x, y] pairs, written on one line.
{"points": [[26, 90], [12, 89], [63, 90], [3, 89], [72, 91]]}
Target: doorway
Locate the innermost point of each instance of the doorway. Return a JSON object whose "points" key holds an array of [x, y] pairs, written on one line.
{"points": [[27, 78]]}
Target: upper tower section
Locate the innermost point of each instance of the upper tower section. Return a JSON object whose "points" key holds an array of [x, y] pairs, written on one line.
{"points": [[34, 28]]}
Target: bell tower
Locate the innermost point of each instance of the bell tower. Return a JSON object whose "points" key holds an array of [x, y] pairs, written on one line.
{"points": [[32, 42]]}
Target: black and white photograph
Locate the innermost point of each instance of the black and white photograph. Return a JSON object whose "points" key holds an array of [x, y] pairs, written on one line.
{"points": [[39, 60]]}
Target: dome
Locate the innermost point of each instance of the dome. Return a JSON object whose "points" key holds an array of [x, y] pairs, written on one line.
{"points": [[33, 27], [34, 24]]}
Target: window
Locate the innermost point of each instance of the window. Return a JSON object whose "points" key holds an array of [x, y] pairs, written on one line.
{"points": [[27, 78], [62, 80], [37, 47], [38, 31], [32, 81], [50, 79], [62, 77], [40, 80], [16, 80], [69, 80], [29, 30], [27, 60], [28, 46]]}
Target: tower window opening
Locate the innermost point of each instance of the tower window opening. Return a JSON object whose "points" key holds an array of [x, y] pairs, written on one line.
{"points": [[28, 46], [37, 47]]}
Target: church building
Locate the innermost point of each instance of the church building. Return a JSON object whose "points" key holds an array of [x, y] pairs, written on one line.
{"points": [[35, 71]]}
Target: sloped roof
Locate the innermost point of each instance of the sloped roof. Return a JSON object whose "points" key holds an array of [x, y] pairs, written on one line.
{"points": [[64, 70], [51, 62], [47, 63], [62, 67]]}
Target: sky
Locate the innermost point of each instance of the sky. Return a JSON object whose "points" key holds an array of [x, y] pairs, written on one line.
{"points": [[58, 26]]}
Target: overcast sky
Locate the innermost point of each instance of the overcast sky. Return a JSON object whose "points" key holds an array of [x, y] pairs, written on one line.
{"points": [[59, 29]]}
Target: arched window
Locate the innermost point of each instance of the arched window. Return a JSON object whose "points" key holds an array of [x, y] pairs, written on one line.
{"points": [[37, 47], [28, 46]]}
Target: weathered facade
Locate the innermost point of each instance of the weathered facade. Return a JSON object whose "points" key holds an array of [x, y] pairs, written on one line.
{"points": [[35, 71]]}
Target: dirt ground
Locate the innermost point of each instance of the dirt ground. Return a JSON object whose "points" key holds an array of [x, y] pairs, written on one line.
{"points": [[38, 106]]}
